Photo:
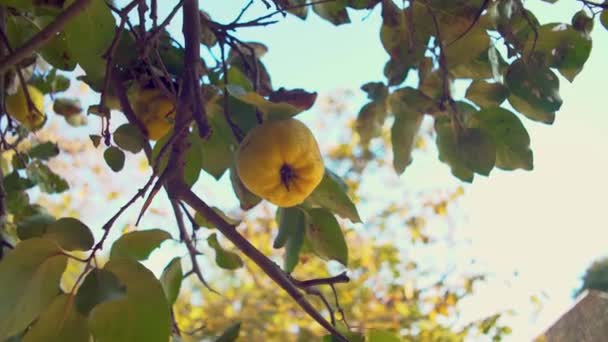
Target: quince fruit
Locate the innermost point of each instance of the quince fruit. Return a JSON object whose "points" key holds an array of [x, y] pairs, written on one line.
{"points": [[154, 110], [17, 108], [280, 161]]}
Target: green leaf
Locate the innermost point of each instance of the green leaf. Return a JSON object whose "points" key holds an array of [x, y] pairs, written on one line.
{"points": [[34, 226], [404, 46], [395, 72], [246, 198], [375, 335], [47, 180], [449, 152], [510, 138], [293, 246], [95, 139], [562, 47], [18, 4], [331, 195], [217, 151], [409, 100], [89, 34], [297, 8], [138, 244], [534, 90], [326, 237], [144, 314], [115, 158], [582, 22], [14, 182], [194, 159], [129, 138], [56, 51], [29, 281], [467, 48], [271, 110], [98, 287], [477, 150], [44, 151], [50, 82], [488, 64], [230, 334], [19, 30], [370, 121], [171, 279], [486, 94], [202, 221], [59, 323], [533, 113], [70, 234], [334, 11], [223, 258], [288, 219], [403, 136], [363, 4], [604, 18]]}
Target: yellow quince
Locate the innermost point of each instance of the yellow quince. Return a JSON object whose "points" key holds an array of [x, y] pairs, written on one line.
{"points": [[280, 161], [17, 108], [154, 110]]}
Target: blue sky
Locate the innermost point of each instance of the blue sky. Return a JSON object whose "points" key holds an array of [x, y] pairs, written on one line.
{"points": [[531, 231]]}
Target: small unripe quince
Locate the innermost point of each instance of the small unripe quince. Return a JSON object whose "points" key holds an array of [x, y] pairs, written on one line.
{"points": [[280, 161], [17, 108], [154, 110]]}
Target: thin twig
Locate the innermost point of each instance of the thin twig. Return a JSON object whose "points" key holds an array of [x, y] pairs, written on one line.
{"points": [[595, 4], [192, 251], [340, 278]]}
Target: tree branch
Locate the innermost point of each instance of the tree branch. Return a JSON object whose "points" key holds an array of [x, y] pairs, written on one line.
{"points": [[43, 36], [181, 191]]}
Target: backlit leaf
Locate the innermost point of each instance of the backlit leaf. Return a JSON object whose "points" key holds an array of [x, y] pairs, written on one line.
{"points": [[325, 236], [332, 11], [331, 195], [510, 138], [89, 35], [60, 322], [70, 234], [223, 258], [534, 90], [143, 315], [171, 279], [29, 282], [486, 94], [98, 286], [246, 198], [138, 244]]}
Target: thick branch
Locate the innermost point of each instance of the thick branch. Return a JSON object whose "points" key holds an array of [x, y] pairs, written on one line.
{"points": [[269, 267], [43, 36]]}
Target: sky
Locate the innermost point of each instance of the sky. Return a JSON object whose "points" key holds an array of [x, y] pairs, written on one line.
{"points": [[535, 232]]}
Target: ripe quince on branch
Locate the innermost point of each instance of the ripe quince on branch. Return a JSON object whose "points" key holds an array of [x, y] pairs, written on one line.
{"points": [[280, 161], [17, 107], [155, 110]]}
